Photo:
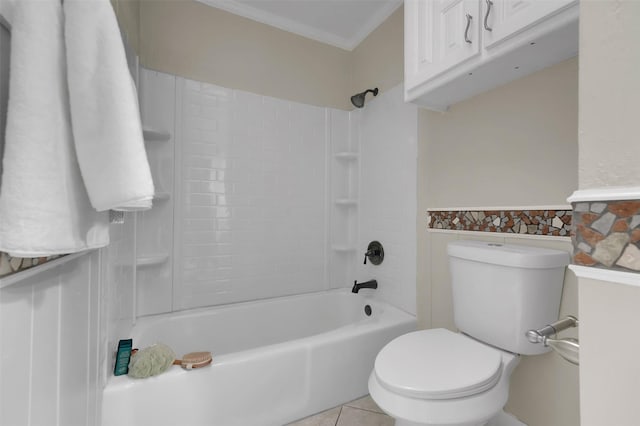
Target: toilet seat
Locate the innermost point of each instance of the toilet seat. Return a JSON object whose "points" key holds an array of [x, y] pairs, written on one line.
{"points": [[437, 364]]}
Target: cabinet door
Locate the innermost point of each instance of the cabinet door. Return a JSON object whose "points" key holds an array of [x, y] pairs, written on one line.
{"points": [[502, 19], [439, 34]]}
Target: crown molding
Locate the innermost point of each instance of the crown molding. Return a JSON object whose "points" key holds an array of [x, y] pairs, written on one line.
{"points": [[303, 30]]}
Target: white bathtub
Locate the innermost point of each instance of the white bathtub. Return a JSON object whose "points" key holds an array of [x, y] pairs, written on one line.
{"points": [[274, 361]]}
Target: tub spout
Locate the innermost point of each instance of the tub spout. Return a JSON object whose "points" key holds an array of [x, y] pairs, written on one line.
{"points": [[367, 284]]}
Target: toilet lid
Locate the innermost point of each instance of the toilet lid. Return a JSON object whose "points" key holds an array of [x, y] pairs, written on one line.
{"points": [[437, 364]]}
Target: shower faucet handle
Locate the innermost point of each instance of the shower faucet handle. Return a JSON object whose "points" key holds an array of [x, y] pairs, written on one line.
{"points": [[370, 253], [375, 253]]}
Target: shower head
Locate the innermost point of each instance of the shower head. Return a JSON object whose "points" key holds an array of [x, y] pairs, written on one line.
{"points": [[358, 100]]}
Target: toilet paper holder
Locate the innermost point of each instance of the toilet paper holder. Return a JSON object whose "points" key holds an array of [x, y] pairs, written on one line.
{"points": [[568, 348]]}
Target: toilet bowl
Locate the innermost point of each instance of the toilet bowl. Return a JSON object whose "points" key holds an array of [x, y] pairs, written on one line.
{"points": [[437, 377]]}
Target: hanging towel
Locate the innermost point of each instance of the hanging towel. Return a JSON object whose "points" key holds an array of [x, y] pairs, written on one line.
{"points": [[44, 208], [104, 109]]}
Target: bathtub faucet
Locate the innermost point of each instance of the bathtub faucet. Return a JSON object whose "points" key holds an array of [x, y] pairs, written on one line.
{"points": [[367, 284]]}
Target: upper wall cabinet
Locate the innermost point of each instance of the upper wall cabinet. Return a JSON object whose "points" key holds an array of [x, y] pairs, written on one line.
{"points": [[455, 49], [437, 37]]}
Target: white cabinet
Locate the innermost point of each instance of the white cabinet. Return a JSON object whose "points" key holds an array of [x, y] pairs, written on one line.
{"points": [[502, 19], [455, 49], [444, 33]]}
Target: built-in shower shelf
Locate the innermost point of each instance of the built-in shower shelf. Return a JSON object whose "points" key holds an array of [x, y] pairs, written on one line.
{"points": [[154, 260], [343, 248], [347, 156], [346, 202], [153, 135], [161, 196]]}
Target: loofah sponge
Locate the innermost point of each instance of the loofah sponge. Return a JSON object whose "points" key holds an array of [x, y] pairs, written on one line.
{"points": [[151, 361]]}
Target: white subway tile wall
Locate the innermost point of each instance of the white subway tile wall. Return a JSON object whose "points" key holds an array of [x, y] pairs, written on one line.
{"points": [[388, 203], [250, 211], [275, 197]]}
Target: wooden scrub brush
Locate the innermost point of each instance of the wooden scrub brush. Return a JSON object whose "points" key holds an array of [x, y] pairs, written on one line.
{"points": [[194, 360]]}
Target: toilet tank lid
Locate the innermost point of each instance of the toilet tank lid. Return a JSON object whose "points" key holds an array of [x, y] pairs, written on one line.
{"points": [[508, 254]]}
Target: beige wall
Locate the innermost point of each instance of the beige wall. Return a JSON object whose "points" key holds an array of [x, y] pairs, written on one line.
{"points": [[128, 14], [609, 348], [423, 254], [379, 60], [609, 93], [193, 40], [513, 146], [609, 153]]}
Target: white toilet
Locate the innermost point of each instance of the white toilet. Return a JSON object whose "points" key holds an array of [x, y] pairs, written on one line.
{"points": [[438, 377]]}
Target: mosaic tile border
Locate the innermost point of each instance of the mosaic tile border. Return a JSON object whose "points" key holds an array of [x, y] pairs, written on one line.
{"points": [[607, 234], [523, 222], [10, 265]]}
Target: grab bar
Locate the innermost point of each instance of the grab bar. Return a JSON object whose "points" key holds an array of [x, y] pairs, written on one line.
{"points": [[568, 348]]}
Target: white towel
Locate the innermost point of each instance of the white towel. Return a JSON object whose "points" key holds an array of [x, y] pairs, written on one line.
{"points": [[44, 208], [104, 109]]}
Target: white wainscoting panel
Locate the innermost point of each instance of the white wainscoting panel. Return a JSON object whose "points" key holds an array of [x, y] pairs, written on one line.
{"points": [[49, 340]]}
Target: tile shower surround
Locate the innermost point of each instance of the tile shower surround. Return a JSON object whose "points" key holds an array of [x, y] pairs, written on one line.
{"points": [[607, 234], [529, 222], [252, 196]]}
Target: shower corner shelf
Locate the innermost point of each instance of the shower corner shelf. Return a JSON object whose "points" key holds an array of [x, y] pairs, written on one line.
{"points": [[153, 260], [153, 135], [161, 196], [347, 202], [346, 155]]}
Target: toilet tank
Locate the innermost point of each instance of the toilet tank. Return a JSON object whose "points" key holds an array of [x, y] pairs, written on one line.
{"points": [[500, 291]]}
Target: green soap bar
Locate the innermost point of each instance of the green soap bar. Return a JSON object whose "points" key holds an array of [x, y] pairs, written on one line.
{"points": [[123, 356]]}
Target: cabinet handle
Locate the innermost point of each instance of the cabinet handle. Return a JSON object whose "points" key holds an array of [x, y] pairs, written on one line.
{"points": [[486, 16], [466, 30]]}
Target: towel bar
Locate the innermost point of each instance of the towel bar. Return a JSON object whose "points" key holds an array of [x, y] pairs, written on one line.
{"points": [[568, 348]]}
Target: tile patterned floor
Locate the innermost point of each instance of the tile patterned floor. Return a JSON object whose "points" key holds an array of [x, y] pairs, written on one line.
{"points": [[361, 412]]}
